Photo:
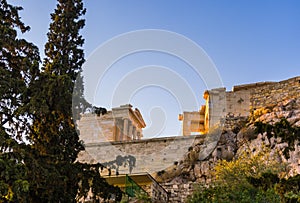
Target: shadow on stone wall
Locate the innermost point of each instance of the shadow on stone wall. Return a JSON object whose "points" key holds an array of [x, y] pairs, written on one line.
{"points": [[128, 161]]}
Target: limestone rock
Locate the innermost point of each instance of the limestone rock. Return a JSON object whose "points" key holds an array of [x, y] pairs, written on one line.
{"points": [[227, 155], [289, 109], [297, 123], [246, 134]]}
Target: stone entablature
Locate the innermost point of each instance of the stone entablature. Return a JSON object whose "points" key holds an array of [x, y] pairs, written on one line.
{"points": [[119, 124]]}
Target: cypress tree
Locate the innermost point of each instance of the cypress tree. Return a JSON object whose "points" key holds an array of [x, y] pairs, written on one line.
{"points": [[55, 174]]}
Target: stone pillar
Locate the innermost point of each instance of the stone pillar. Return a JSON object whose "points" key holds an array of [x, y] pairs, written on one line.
{"points": [[125, 128], [130, 130], [134, 133], [116, 133], [120, 126], [138, 135]]}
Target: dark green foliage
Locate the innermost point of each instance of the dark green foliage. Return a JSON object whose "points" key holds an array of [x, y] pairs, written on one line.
{"points": [[289, 189], [14, 184], [237, 193], [89, 178], [266, 181], [36, 108], [18, 68], [54, 137], [99, 110], [281, 129], [267, 188]]}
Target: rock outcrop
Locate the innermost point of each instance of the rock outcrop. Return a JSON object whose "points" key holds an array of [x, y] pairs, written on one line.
{"points": [[238, 133]]}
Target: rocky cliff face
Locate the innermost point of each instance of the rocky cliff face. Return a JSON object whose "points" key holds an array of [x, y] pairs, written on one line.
{"points": [[239, 133]]}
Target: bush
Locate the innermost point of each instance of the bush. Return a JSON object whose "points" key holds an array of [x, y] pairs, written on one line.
{"points": [[249, 178]]}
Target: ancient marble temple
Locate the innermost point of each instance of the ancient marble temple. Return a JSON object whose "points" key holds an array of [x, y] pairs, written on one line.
{"points": [[120, 124]]}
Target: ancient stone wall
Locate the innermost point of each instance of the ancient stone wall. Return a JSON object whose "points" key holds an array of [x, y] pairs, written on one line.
{"points": [[243, 99], [273, 93], [179, 192], [95, 129], [238, 102], [158, 193], [139, 156]]}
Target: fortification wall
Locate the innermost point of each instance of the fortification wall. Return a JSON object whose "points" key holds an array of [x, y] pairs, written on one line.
{"points": [[243, 99], [179, 192], [238, 102], [139, 156], [273, 93]]}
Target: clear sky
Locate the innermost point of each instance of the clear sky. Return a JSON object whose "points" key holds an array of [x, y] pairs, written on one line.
{"points": [[248, 41]]}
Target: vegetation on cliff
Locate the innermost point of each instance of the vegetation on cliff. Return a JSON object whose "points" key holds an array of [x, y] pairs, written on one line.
{"points": [[255, 176], [283, 130]]}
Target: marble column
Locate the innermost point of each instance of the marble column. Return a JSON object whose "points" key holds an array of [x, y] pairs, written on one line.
{"points": [[130, 130], [139, 135], [134, 133], [125, 128], [120, 126]]}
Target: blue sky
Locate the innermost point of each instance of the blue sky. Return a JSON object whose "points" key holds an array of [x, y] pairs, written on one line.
{"points": [[248, 41]]}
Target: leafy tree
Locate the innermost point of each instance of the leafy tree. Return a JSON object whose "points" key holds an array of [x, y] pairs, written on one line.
{"points": [[19, 61]]}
